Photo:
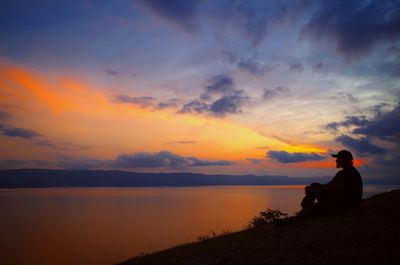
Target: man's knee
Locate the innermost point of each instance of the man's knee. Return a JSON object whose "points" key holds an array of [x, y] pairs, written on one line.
{"points": [[316, 185]]}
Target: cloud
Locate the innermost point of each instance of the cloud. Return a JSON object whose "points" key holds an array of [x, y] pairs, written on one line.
{"points": [[4, 115], [347, 122], [255, 68], [46, 143], [143, 102], [362, 145], [220, 84], [354, 26], [194, 106], [171, 103], [255, 160], [147, 102], [317, 67], [278, 91], [250, 18], [221, 97], [181, 13], [385, 126], [111, 72], [195, 162], [163, 159], [253, 18], [18, 132], [285, 157], [229, 104], [296, 67]]}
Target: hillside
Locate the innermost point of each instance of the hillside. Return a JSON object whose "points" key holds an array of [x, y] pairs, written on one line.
{"points": [[368, 235]]}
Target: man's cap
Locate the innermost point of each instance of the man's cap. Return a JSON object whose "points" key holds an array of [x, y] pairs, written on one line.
{"points": [[344, 154]]}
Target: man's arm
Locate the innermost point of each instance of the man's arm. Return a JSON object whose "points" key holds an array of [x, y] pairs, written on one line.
{"points": [[329, 187]]}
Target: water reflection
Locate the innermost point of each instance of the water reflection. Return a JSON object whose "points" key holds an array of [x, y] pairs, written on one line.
{"points": [[105, 225]]}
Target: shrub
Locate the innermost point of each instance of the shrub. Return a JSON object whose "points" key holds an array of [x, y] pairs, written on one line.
{"points": [[267, 217], [213, 234]]}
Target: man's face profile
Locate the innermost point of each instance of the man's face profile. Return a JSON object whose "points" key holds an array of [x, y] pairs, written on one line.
{"points": [[339, 162]]}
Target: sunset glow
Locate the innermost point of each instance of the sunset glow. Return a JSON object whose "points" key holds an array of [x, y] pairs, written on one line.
{"points": [[227, 96]]}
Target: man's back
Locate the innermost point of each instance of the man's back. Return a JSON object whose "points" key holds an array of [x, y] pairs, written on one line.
{"points": [[349, 189]]}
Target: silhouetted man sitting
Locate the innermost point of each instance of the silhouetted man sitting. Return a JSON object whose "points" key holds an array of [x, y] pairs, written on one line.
{"points": [[342, 193]]}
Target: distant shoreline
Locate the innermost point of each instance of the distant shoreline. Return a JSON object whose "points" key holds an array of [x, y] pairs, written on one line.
{"points": [[49, 178]]}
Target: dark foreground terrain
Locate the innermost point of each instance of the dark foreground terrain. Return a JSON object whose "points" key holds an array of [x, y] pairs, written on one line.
{"points": [[369, 235]]}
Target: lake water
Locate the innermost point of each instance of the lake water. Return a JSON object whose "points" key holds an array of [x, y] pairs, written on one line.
{"points": [[102, 226]]}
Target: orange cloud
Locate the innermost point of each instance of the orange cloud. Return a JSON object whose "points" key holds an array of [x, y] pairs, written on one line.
{"points": [[66, 109]]}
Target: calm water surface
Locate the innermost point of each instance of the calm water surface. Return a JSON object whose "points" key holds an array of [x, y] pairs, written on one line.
{"points": [[85, 226]]}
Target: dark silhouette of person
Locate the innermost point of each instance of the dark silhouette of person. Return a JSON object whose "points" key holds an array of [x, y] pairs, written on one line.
{"points": [[342, 193]]}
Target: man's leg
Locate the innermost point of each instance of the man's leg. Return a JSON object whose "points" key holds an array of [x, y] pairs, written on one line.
{"points": [[310, 198]]}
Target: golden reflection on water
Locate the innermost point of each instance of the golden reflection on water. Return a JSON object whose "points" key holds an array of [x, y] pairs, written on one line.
{"points": [[73, 226]]}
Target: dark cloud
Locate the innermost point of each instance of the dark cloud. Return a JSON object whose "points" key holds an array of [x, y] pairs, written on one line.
{"points": [[18, 132], [180, 12], [347, 122], [362, 146], [379, 109], [163, 159], [171, 103], [221, 97], [143, 102], [229, 104], [150, 160], [111, 72], [385, 126], [296, 67], [355, 26], [194, 106], [278, 91], [195, 162], [46, 143], [147, 102], [285, 157], [255, 160], [4, 115], [317, 67], [255, 68], [251, 18], [220, 84]]}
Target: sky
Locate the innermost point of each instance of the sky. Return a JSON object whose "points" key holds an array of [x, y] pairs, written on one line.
{"points": [[215, 87]]}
